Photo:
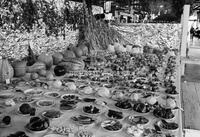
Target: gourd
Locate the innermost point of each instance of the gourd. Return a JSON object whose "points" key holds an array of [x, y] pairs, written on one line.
{"points": [[71, 85], [57, 58], [78, 52], [68, 54], [19, 68], [119, 47], [46, 59], [151, 100], [57, 83], [59, 70], [36, 67], [129, 48], [6, 70], [34, 76], [49, 76], [84, 47], [73, 64], [103, 92], [42, 72], [111, 48]]}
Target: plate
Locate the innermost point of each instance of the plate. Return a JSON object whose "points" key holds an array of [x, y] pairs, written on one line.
{"points": [[2, 125], [160, 124], [83, 120], [51, 114], [34, 92], [70, 97], [138, 120], [111, 125], [114, 112], [45, 103], [5, 96], [52, 94], [38, 132], [54, 135], [19, 113], [92, 114], [25, 99], [84, 133]]}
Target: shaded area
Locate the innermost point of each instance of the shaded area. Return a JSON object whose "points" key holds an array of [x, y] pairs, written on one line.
{"points": [[191, 105], [192, 73]]}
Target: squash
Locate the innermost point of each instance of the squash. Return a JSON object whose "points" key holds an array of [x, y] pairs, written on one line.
{"points": [[49, 76], [36, 67], [57, 83], [68, 54], [111, 48], [42, 72], [73, 64], [78, 52], [103, 92], [6, 70], [59, 70], [129, 48], [27, 77], [46, 59], [119, 47], [57, 58], [19, 68], [84, 47], [151, 100], [34, 76]]}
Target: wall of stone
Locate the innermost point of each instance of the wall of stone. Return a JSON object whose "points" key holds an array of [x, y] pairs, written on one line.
{"points": [[14, 44]]}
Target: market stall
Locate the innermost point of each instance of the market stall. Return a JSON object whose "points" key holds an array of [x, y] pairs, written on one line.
{"points": [[102, 94]]}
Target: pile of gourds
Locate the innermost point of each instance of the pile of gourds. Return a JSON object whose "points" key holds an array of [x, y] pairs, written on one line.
{"points": [[117, 47], [45, 65]]}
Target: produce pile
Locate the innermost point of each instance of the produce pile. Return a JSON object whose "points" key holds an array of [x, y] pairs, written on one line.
{"points": [[120, 92], [153, 35]]}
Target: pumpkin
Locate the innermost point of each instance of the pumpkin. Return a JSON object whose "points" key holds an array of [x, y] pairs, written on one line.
{"points": [[71, 86], [36, 67], [57, 83], [171, 103], [57, 58], [59, 70], [6, 70], [73, 64], [19, 68], [49, 76], [46, 59], [84, 47], [119, 47], [42, 72], [151, 100], [68, 54], [103, 92], [129, 48], [78, 52], [34, 76], [27, 77], [111, 48]]}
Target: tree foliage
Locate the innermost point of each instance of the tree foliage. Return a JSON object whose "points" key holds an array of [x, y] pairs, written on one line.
{"points": [[24, 15]]}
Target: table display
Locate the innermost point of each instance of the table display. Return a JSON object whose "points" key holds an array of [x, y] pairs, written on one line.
{"points": [[118, 94]]}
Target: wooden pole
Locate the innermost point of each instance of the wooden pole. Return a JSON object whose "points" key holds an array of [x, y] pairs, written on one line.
{"points": [[184, 38], [185, 19]]}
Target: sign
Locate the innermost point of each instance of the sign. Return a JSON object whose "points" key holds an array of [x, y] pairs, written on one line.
{"points": [[108, 16], [107, 6]]}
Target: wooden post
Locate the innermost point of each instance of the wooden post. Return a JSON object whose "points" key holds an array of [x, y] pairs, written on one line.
{"points": [[184, 38], [185, 19]]}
